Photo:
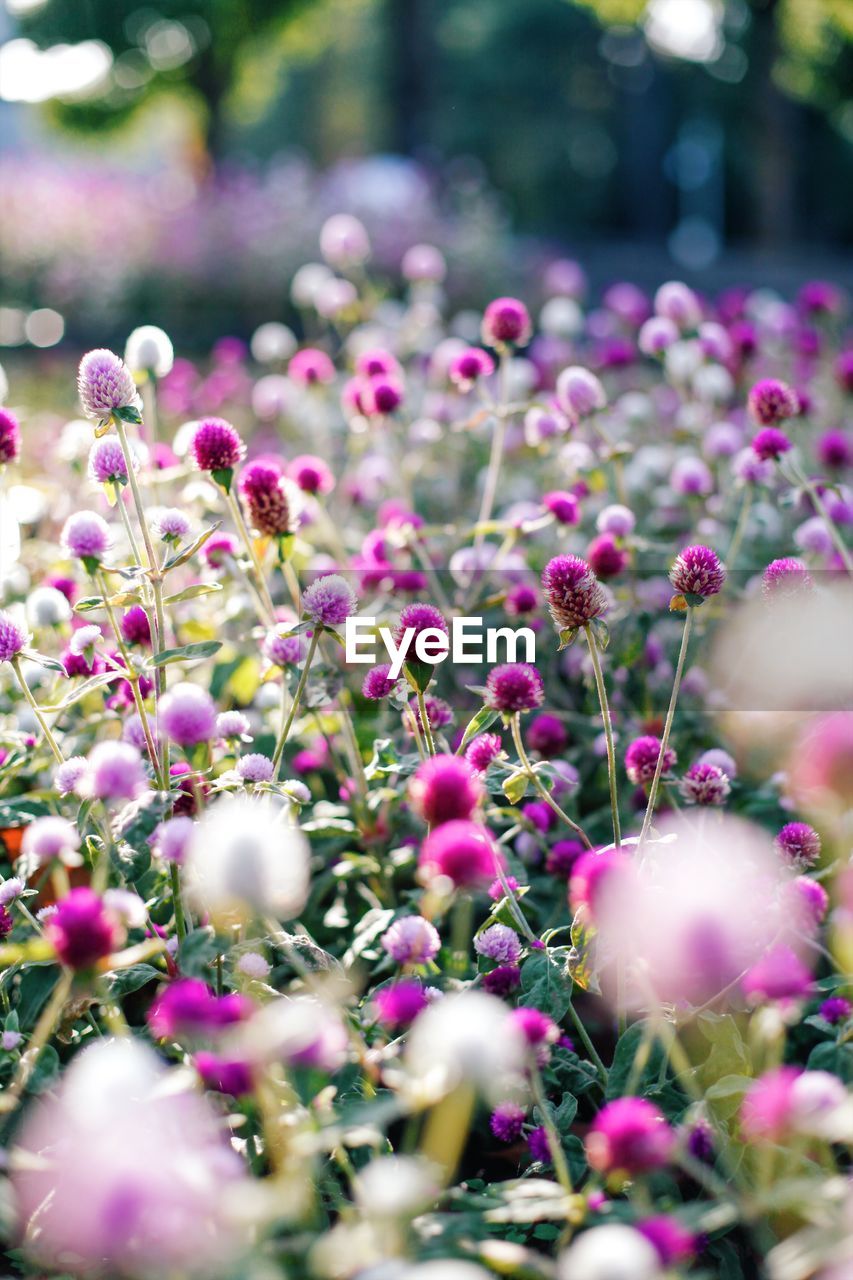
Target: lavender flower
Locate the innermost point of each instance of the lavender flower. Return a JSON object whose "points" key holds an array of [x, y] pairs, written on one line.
{"points": [[506, 322], [574, 594], [232, 724], [114, 772], [513, 687], [704, 784], [506, 1121], [579, 392], [499, 942], [170, 525], [107, 463], [188, 715], [411, 940], [105, 384], [417, 618], [70, 774], [770, 401], [697, 571], [255, 768], [330, 600], [86, 536], [785, 578], [13, 638]]}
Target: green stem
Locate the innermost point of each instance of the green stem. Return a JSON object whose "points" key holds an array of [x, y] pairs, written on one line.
{"points": [[555, 1146], [540, 786], [246, 537], [297, 697], [667, 728], [37, 711], [177, 901], [425, 724], [587, 1044], [608, 733]]}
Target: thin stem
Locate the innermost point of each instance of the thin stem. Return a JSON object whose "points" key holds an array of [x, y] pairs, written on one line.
{"points": [[37, 711], [243, 530], [540, 786], [555, 1146], [177, 901], [413, 722], [353, 749], [587, 1044], [425, 724], [608, 733], [820, 508], [297, 697], [137, 496], [667, 728]]}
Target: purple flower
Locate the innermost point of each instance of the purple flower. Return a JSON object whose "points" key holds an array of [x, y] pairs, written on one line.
{"points": [[224, 1075], [672, 1241], [834, 449], [704, 784], [51, 837], [269, 498], [606, 558], [107, 463], [81, 930], [537, 1142], [468, 366], [697, 571], [514, 686], [311, 366], [216, 445], [439, 713], [12, 638], [188, 715], [311, 474], [218, 549], [330, 600], [770, 443], [104, 384], [377, 683], [779, 975], [399, 1005], [86, 536], [135, 627], [563, 506], [282, 648], [232, 724], [771, 401], [114, 772], [482, 750], [417, 618], [411, 940], [561, 858], [503, 980], [188, 1007], [573, 592], [171, 525], [579, 392], [798, 845], [641, 759], [172, 837], [462, 852], [255, 768], [69, 774], [506, 321], [786, 577], [500, 943], [444, 788], [506, 1121], [381, 396], [10, 437], [629, 1135], [836, 1009], [678, 303]]}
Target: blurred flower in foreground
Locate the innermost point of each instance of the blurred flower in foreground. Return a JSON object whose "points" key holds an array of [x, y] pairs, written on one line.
{"points": [[120, 1169], [466, 1039]]}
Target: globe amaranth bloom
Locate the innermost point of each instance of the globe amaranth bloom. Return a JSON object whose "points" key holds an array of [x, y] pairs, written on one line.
{"points": [[562, 857], [69, 775], [418, 618], [330, 600], [606, 558], [562, 505], [574, 594], [482, 750], [539, 1031], [547, 736], [513, 687], [107, 463], [506, 321], [500, 943], [439, 713], [411, 940], [444, 788], [114, 771], [170, 525], [188, 1007], [697, 571], [398, 1005], [704, 784], [506, 1121], [311, 366], [216, 445], [641, 759], [468, 366], [13, 638], [579, 392], [770, 443], [272, 501], [835, 1010], [462, 852], [771, 401], [51, 837], [282, 648], [798, 845], [311, 474], [188, 714], [503, 980], [10, 437], [255, 768], [135, 627], [218, 549], [786, 577], [231, 1076], [672, 1241], [377, 683], [86, 536], [104, 384], [82, 930], [630, 1136], [778, 975]]}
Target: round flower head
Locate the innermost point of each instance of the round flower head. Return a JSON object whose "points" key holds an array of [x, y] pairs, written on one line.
{"points": [[104, 384], [657, 335], [232, 724], [771, 401], [678, 303], [499, 942], [563, 506], [785, 578], [69, 775], [671, 1240], [641, 759], [218, 549], [272, 501], [171, 525], [629, 1135], [330, 600], [468, 366], [149, 350], [172, 837], [506, 321], [462, 852], [611, 1252], [12, 638], [255, 768], [514, 686], [770, 443], [107, 463], [216, 446], [562, 858], [704, 784], [344, 242], [606, 558], [835, 1010], [798, 845], [188, 715], [86, 536], [377, 683], [439, 713], [423, 262], [444, 788], [697, 571], [778, 975], [282, 648], [381, 396], [411, 940], [616, 519], [135, 627], [506, 1121], [579, 392], [51, 837], [310, 367], [114, 772], [482, 750], [253, 965], [10, 437], [82, 930], [398, 1005], [574, 594], [311, 474], [417, 618], [547, 736]]}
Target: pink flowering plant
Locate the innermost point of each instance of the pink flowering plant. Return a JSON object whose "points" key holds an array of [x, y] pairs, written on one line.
{"points": [[425, 791]]}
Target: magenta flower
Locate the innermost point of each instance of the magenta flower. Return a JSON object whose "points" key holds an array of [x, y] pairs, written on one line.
{"points": [[705, 784], [506, 322], [771, 401], [573, 592], [51, 837], [785, 578], [398, 1005], [188, 1007], [311, 474], [188, 715], [10, 437], [672, 1241], [224, 1075], [444, 788], [381, 396], [105, 384], [12, 638], [482, 750], [798, 845], [377, 683], [310, 367], [506, 1121], [216, 446], [563, 506], [606, 558], [514, 686], [114, 772], [218, 549], [282, 648], [547, 736], [439, 713], [778, 975], [82, 930], [503, 980], [770, 443], [269, 498], [462, 852], [697, 571], [597, 879], [135, 627], [330, 600], [641, 759], [562, 858], [418, 618], [107, 463], [579, 392], [835, 1010], [468, 366], [411, 940], [630, 1136], [767, 1108], [86, 536]]}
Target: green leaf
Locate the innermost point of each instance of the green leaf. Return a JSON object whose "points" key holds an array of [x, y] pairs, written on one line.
{"points": [[122, 981], [223, 477], [515, 786], [91, 685], [128, 413], [46, 1071], [693, 600], [187, 653], [50, 664], [193, 592], [568, 636], [601, 632], [197, 953], [546, 985], [419, 674], [477, 724]]}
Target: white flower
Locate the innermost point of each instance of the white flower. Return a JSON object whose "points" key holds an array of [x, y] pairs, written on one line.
{"points": [[611, 1252], [395, 1187], [466, 1038], [149, 348], [244, 860], [47, 607], [271, 342], [299, 1031]]}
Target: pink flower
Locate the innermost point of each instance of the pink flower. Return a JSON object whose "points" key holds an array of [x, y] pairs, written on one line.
{"points": [[630, 1136], [445, 788], [462, 852]]}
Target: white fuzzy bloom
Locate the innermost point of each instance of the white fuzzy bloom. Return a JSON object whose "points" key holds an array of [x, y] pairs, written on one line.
{"points": [[395, 1187], [682, 360], [302, 1031], [272, 341], [245, 860], [149, 348], [611, 1252], [713, 384], [561, 317], [84, 638], [467, 1038], [309, 279], [47, 607]]}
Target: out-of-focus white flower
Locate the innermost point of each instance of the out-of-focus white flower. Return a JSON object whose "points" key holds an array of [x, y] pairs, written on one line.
{"points": [[47, 607], [272, 341], [122, 1168], [302, 1031], [245, 859], [307, 281], [466, 1039], [395, 1187], [611, 1252], [149, 349], [561, 317]]}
